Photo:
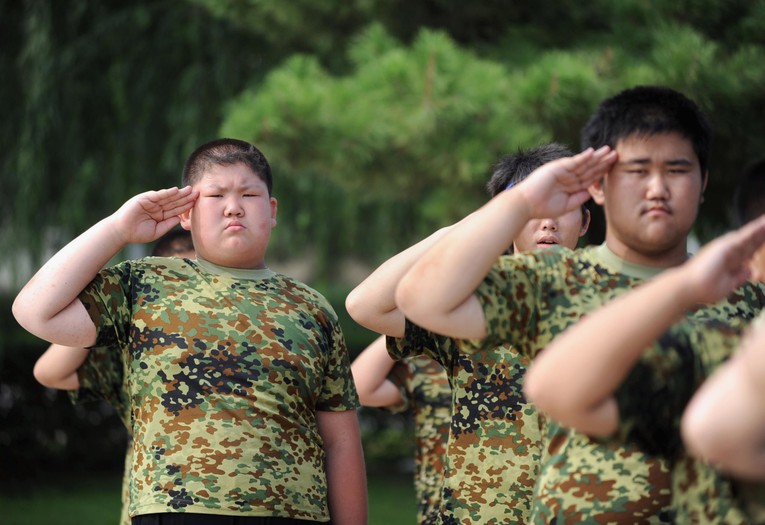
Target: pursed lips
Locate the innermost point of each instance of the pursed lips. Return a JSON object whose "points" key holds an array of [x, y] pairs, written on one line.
{"points": [[657, 208], [234, 224]]}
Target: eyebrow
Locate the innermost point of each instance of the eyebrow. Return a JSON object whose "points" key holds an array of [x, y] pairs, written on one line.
{"points": [[219, 187], [673, 162]]}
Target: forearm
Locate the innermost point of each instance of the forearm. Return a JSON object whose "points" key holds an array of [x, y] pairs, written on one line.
{"points": [[346, 477], [446, 277], [57, 367], [725, 421], [44, 306], [574, 379], [372, 303], [370, 373]]}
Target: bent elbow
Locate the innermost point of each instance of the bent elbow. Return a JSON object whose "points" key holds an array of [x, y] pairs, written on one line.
{"points": [[355, 306], [43, 377], [532, 391], [703, 439], [19, 312]]}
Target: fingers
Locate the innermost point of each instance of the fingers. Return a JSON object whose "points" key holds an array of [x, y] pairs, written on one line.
{"points": [[590, 165], [171, 201], [179, 201]]}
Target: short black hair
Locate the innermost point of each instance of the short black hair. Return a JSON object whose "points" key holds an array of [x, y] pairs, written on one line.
{"points": [[749, 197], [225, 152], [174, 242], [513, 168], [649, 110]]}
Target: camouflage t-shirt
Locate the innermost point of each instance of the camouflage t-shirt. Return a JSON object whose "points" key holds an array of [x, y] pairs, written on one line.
{"points": [[425, 389], [652, 400], [530, 298], [224, 371], [494, 445]]}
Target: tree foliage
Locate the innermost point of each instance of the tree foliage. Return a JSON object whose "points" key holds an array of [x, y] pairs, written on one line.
{"points": [[382, 117]]}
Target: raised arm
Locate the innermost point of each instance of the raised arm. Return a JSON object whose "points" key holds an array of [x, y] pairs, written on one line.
{"points": [[48, 305], [57, 367], [372, 304], [725, 421], [574, 379], [438, 292], [370, 373]]}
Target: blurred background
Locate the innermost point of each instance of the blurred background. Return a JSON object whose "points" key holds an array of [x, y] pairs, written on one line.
{"points": [[381, 120]]}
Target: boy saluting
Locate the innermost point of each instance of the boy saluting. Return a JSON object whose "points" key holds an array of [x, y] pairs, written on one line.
{"points": [[242, 402]]}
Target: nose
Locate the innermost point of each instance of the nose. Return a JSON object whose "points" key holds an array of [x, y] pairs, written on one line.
{"points": [[233, 207], [657, 187], [549, 225]]}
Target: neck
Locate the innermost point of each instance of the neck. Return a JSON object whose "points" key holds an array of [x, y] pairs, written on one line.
{"points": [[659, 258]]}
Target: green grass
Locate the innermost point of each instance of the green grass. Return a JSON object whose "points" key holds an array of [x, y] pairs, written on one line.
{"points": [[96, 501], [391, 500]]}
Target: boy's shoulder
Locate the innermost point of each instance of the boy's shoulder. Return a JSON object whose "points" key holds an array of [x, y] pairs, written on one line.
{"points": [[292, 285]]}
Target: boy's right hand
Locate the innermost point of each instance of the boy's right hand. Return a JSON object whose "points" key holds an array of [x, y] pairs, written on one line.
{"points": [[560, 186], [723, 265], [149, 215]]}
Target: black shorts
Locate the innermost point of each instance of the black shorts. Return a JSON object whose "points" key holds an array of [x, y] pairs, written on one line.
{"points": [[184, 518]]}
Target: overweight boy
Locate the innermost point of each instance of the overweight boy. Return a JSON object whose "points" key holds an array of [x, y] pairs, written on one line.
{"points": [[648, 172], [494, 447], [241, 398]]}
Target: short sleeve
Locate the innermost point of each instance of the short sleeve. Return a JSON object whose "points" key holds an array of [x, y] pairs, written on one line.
{"points": [[416, 341], [338, 392], [101, 377], [107, 299], [401, 377]]}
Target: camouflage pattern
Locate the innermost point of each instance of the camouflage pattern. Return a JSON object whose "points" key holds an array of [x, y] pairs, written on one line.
{"points": [[93, 375], [125, 490], [494, 447], [530, 298], [223, 371], [425, 390], [651, 404]]}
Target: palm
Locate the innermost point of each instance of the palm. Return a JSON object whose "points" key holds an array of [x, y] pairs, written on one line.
{"points": [[561, 185], [723, 264], [150, 215]]}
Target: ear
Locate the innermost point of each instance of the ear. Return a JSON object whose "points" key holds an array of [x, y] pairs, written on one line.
{"points": [[586, 216], [186, 220], [274, 206], [596, 191], [704, 181]]}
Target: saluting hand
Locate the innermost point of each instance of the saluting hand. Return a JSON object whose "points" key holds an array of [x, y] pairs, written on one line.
{"points": [[560, 186], [151, 214]]}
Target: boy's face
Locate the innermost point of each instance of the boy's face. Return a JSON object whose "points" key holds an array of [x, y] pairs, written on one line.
{"points": [[232, 219], [651, 198], [544, 233]]}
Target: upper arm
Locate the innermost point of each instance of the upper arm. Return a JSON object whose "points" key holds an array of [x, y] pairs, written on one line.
{"points": [[338, 429], [72, 326], [385, 394], [370, 370], [466, 321], [723, 423]]}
